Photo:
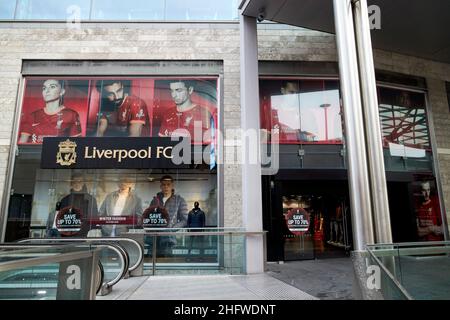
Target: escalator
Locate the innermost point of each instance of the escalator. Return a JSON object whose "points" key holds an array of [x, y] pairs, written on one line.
{"points": [[117, 258]]}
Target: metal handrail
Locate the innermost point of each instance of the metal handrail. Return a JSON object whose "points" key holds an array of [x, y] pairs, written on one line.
{"points": [[382, 252], [31, 250], [96, 278], [28, 249], [123, 255], [94, 239], [29, 262], [206, 233], [389, 274], [409, 244], [185, 228]]}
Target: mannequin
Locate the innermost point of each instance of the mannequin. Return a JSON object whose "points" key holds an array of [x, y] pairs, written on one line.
{"points": [[196, 217], [196, 220]]}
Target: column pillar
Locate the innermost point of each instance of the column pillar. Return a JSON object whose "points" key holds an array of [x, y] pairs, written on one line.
{"points": [[358, 177], [250, 122], [380, 202]]}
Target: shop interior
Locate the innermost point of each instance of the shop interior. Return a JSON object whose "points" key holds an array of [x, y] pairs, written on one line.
{"points": [[323, 211], [35, 192], [327, 234]]}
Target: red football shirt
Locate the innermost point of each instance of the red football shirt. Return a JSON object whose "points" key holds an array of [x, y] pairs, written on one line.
{"points": [[132, 110], [184, 123], [39, 124], [271, 122], [429, 214]]}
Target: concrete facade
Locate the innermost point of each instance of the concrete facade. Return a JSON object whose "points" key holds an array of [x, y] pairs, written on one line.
{"points": [[200, 41]]}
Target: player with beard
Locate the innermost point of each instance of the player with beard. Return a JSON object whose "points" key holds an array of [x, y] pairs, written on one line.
{"points": [[54, 120], [429, 220], [122, 114]]}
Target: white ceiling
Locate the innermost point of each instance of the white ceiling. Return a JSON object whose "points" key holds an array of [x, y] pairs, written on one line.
{"points": [[419, 28]]}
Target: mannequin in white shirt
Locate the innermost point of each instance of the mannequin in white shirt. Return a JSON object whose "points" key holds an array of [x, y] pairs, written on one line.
{"points": [[125, 188], [122, 202]]}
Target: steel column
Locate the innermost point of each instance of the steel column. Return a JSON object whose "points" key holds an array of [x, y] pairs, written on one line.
{"points": [[380, 202], [355, 141]]}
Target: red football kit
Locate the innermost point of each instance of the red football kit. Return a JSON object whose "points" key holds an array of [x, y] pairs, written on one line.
{"points": [[39, 124], [183, 123], [132, 110], [429, 214], [271, 122]]}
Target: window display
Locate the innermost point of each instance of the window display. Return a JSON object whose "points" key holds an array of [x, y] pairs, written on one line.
{"points": [[73, 203], [315, 225], [403, 119], [118, 107], [301, 111], [95, 157]]}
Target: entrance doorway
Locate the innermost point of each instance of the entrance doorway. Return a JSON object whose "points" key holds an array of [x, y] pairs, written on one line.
{"points": [[308, 220]]}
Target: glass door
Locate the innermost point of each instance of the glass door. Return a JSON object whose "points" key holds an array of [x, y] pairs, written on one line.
{"points": [[316, 225], [297, 229]]}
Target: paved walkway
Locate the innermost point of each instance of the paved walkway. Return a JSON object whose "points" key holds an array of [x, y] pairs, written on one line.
{"points": [[205, 287], [327, 279]]}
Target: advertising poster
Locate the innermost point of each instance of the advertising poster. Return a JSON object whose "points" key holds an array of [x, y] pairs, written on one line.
{"points": [[118, 107], [53, 107], [428, 212]]}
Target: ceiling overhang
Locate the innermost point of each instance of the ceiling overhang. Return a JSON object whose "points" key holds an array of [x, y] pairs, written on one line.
{"points": [[413, 27]]}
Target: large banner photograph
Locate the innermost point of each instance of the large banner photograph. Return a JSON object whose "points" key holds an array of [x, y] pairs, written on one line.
{"points": [[427, 211], [118, 107]]}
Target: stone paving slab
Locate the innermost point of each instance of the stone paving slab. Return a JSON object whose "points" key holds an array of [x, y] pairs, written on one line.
{"points": [[205, 287]]}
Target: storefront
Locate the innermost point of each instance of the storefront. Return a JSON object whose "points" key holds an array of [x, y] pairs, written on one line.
{"points": [[306, 203], [103, 156]]}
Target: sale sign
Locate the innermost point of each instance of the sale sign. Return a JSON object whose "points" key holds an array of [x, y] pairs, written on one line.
{"points": [[298, 220]]}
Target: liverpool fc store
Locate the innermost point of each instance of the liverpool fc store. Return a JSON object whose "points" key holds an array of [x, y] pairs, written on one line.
{"points": [[116, 156], [89, 110]]}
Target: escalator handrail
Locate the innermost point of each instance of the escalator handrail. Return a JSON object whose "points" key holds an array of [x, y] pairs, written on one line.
{"points": [[102, 277], [115, 240], [121, 252]]}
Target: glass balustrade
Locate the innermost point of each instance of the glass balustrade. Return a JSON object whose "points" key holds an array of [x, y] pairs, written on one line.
{"points": [[49, 273], [198, 250], [422, 269]]}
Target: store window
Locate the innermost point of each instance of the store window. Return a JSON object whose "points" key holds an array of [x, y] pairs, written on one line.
{"points": [[95, 156], [416, 213], [301, 111], [403, 118], [302, 114]]}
